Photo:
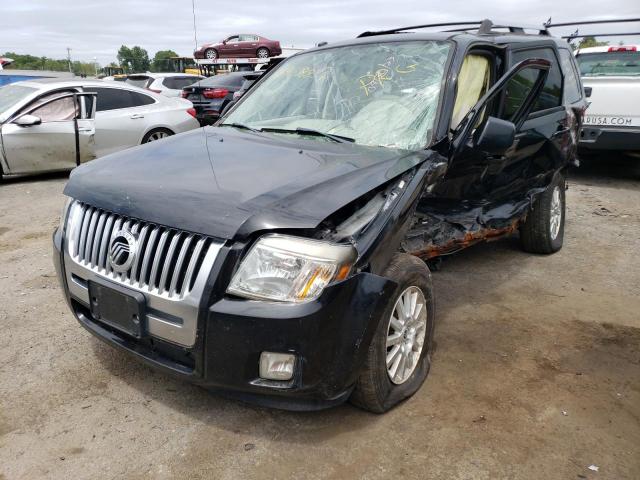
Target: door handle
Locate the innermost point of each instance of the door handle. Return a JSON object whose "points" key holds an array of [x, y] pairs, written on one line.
{"points": [[136, 115]]}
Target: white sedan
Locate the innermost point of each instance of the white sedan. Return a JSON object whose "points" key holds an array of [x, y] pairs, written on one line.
{"points": [[57, 125]]}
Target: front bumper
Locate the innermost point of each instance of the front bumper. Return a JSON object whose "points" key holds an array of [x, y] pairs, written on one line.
{"points": [[330, 338], [609, 138]]}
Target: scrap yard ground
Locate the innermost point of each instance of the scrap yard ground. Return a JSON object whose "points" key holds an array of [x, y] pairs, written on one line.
{"points": [[536, 372]]}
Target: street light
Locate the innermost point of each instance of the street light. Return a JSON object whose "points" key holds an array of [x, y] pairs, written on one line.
{"points": [[95, 64]]}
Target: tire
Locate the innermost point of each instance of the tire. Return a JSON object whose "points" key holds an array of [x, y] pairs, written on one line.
{"points": [[210, 54], [262, 52], [543, 229], [156, 134], [375, 389]]}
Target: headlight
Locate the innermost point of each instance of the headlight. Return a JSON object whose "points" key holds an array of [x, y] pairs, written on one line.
{"points": [[65, 213], [291, 269]]}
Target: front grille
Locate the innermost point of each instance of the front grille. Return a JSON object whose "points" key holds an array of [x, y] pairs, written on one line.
{"points": [[167, 260]]}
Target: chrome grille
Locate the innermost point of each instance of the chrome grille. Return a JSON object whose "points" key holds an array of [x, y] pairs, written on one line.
{"points": [[167, 260]]}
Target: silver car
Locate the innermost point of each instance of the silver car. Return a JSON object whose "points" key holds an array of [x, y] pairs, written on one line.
{"points": [[167, 84], [57, 125]]}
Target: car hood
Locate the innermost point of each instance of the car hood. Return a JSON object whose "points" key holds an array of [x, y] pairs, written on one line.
{"points": [[228, 183]]}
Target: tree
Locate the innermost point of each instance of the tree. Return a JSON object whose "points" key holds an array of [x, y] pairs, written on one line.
{"points": [[161, 60], [587, 42], [133, 60], [30, 62]]}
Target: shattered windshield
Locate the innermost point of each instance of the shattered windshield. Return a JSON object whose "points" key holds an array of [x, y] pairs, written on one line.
{"points": [[383, 94]]}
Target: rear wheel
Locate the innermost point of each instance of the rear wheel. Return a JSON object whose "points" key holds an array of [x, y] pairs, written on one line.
{"points": [[543, 229], [157, 134], [263, 52], [210, 54], [399, 356]]}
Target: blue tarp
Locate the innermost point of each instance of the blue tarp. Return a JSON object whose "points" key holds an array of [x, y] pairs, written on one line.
{"points": [[7, 79]]}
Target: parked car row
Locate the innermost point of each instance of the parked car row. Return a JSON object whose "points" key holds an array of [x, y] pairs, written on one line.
{"points": [[212, 95]]}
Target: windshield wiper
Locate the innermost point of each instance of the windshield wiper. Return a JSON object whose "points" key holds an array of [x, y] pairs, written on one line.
{"points": [[240, 125], [310, 131]]}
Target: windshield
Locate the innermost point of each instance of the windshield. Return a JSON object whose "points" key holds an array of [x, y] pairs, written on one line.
{"points": [[613, 64], [12, 94], [383, 94]]}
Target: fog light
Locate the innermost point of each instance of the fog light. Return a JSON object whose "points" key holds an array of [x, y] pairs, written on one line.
{"points": [[276, 366]]}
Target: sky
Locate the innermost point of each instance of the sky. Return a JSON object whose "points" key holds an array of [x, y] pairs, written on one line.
{"points": [[97, 28]]}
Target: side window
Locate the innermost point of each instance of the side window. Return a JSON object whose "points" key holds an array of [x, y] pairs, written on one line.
{"points": [[116, 98], [60, 110], [232, 39], [140, 99], [110, 98], [473, 82], [519, 86], [572, 91]]}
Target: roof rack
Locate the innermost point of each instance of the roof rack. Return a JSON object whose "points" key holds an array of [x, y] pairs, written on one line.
{"points": [[577, 34], [483, 27]]}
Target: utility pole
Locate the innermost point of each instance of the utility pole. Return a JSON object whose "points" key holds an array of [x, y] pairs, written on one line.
{"points": [[69, 59]]}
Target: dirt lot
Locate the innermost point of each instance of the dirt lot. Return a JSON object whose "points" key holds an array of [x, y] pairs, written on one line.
{"points": [[536, 373]]}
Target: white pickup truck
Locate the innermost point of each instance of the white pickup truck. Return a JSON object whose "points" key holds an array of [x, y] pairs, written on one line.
{"points": [[611, 79]]}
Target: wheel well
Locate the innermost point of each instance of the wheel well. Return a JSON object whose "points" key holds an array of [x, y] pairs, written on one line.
{"points": [[154, 130]]}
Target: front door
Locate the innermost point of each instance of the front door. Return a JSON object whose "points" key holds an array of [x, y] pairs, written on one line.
{"points": [[46, 135], [474, 174], [232, 47]]}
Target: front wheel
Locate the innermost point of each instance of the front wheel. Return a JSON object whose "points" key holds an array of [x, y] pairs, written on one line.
{"points": [[399, 356], [543, 229], [210, 54]]}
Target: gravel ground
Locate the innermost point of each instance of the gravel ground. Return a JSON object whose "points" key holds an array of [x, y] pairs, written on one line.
{"points": [[536, 372]]}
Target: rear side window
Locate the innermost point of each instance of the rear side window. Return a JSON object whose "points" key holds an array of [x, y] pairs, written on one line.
{"points": [[519, 86], [139, 81], [178, 83], [116, 98], [571, 84], [222, 80], [140, 99]]}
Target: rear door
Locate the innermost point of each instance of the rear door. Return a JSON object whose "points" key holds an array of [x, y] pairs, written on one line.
{"points": [[121, 118], [63, 137], [248, 45]]}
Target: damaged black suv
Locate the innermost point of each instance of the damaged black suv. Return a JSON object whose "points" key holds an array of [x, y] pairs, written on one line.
{"points": [[279, 256]]}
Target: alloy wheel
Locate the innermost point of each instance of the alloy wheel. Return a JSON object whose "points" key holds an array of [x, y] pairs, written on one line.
{"points": [[556, 213], [157, 136], [406, 334]]}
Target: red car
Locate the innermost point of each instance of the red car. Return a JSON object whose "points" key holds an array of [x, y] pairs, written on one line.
{"points": [[242, 45]]}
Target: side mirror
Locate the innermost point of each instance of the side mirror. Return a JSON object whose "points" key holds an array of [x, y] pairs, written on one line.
{"points": [[28, 120], [224, 42], [587, 91], [496, 137]]}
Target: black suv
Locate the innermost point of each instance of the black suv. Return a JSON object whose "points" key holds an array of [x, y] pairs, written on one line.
{"points": [[279, 256]]}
